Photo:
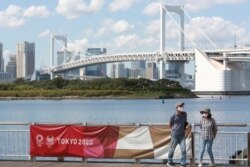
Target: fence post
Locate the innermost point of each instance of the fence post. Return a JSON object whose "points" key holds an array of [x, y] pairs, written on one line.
{"points": [[84, 160], [137, 161], [248, 148], [60, 159], [32, 159], [192, 160]]}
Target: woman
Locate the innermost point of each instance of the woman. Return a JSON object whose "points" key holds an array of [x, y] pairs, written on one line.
{"points": [[208, 134]]}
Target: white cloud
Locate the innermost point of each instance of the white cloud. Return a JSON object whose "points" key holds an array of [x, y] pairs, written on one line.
{"points": [[117, 5], [15, 16], [133, 42], [192, 5], [121, 26], [6, 55], [39, 11], [112, 26], [13, 10], [88, 32], [219, 30], [205, 4], [11, 17], [13, 22], [44, 33], [78, 45], [153, 27], [72, 9], [152, 8]]}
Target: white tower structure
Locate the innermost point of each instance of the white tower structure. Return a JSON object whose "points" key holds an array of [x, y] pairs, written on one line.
{"points": [[227, 74], [178, 10]]}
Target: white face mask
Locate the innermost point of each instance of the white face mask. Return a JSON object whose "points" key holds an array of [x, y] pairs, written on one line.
{"points": [[181, 109], [205, 115]]}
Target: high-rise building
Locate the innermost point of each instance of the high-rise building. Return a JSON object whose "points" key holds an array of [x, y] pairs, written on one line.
{"points": [[11, 66], [1, 58], [113, 71], [2, 65], [25, 59], [174, 70], [96, 70], [120, 72], [152, 71], [5, 76], [136, 73], [138, 64]]}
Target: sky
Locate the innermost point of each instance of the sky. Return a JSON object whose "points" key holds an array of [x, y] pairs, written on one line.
{"points": [[120, 25]]}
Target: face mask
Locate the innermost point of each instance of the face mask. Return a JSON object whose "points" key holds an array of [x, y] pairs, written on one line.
{"points": [[181, 109], [205, 115]]}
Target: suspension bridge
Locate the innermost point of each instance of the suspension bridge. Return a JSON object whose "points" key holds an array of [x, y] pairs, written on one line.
{"points": [[175, 59]]}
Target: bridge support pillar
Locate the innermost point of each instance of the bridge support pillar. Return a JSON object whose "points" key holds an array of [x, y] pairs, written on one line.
{"points": [[182, 72], [224, 61], [162, 70], [162, 41], [52, 75]]}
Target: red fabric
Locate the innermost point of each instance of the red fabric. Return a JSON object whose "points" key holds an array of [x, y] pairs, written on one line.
{"points": [[72, 140]]}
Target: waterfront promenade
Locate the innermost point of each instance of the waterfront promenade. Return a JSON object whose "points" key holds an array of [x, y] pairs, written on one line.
{"points": [[78, 164]]}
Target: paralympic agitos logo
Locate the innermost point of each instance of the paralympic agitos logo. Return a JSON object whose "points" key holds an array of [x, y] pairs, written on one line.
{"points": [[49, 140]]}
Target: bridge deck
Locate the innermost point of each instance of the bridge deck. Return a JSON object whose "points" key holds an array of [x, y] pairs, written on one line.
{"points": [[78, 164]]}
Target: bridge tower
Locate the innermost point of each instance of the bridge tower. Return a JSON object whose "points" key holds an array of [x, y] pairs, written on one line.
{"points": [[52, 50], [178, 10]]}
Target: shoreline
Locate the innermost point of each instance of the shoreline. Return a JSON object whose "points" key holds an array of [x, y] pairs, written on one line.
{"points": [[90, 98]]}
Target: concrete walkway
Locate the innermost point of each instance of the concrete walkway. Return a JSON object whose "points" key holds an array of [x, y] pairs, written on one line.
{"points": [[79, 164]]}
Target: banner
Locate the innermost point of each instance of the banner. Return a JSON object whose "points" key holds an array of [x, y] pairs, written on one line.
{"points": [[137, 142]]}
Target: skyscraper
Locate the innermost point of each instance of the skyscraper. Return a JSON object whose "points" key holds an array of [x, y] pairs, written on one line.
{"points": [[11, 66], [1, 58], [138, 64], [120, 70], [152, 71], [25, 59], [113, 71], [96, 70], [136, 73]]}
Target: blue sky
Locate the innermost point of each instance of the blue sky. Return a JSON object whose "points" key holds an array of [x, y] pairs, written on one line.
{"points": [[119, 25]]}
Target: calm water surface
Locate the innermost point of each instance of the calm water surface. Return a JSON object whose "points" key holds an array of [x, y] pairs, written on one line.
{"points": [[228, 110]]}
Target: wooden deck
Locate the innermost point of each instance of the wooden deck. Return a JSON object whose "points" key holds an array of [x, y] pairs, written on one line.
{"points": [[79, 164]]}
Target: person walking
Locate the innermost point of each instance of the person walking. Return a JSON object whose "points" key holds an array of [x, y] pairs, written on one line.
{"points": [[208, 133], [178, 123]]}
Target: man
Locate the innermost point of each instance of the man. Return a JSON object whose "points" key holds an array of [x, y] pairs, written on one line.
{"points": [[178, 124]]}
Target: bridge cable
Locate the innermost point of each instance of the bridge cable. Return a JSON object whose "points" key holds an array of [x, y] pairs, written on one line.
{"points": [[207, 37], [137, 32], [74, 53], [81, 50]]}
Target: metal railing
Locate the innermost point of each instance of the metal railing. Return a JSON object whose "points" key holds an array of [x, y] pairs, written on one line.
{"points": [[14, 141], [231, 144]]}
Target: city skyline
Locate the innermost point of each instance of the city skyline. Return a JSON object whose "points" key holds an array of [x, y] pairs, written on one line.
{"points": [[111, 23]]}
